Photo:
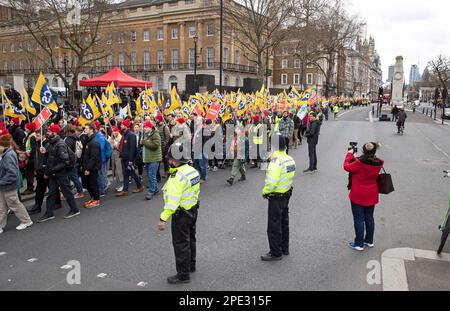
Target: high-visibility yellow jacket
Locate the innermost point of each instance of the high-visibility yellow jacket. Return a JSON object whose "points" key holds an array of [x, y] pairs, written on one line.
{"points": [[181, 190], [258, 138], [280, 174]]}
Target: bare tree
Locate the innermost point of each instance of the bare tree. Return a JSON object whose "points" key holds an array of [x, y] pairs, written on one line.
{"points": [[69, 27], [324, 30], [257, 27], [440, 72]]}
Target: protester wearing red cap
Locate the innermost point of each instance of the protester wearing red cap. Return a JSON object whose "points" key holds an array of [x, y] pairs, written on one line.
{"points": [[17, 133], [151, 156], [60, 162], [258, 139], [116, 163], [128, 151], [9, 182], [30, 149], [164, 132]]}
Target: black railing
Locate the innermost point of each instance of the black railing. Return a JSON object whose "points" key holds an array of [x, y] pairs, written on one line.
{"points": [[92, 70]]}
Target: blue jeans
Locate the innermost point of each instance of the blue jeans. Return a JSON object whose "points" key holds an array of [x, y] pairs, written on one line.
{"points": [[200, 165], [152, 169], [73, 176], [363, 217], [126, 176], [102, 175]]}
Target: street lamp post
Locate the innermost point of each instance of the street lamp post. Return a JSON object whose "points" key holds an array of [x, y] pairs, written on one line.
{"points": [[65, 78], [195, 62], [221, 47]]}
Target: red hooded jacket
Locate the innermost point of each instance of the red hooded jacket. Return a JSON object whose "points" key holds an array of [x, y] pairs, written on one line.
{"points": [[364, 190]]}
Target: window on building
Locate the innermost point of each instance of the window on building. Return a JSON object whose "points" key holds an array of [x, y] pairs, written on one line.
{"points": [[160, 59], [297, 78], [175, 59], [146, 35], [284, 78], [238, 82], [109, 61], [133, 36], [55, 42], [309, 78], [210, 29], [39, 65], [146, 60], [160, 84], [309, 66], [192, 31], [160, 34], [175, 33], [21, 65], [13, 48], [237, 58], [29, 46], [122, 61], [5, 65], [227, 31], [19, 47], [189, 1], [120, 38], [13, 65], [4, 47], [225, 58], [284, 64], [191, 58], [133, 61], [210, 57], [237, 33], [285, 51], [98, 61], [297, 63], [109, 38]]}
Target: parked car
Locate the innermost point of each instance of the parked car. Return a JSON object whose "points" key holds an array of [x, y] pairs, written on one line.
{"points": [[446, 112]]}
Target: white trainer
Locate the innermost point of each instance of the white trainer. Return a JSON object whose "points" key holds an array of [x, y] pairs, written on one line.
{"points": [[369, 245], [1, 231], [24, 226]]}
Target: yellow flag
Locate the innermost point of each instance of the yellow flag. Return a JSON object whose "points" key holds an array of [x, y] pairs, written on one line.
{"points": [[27, 104], [42, 94], [173, 103], [11, 110], [89, 111]]}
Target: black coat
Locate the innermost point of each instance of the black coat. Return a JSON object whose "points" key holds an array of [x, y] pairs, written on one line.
{"points": [[18, 135], [129, 146], [313, 133], [91, 155], [57, 158]]}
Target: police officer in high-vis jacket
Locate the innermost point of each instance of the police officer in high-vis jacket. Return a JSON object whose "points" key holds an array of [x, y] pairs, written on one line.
{"points": [[181, 193], [278, 190]]}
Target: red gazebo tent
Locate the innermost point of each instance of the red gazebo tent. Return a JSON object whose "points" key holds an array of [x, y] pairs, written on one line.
{"points": [[119, 78]]}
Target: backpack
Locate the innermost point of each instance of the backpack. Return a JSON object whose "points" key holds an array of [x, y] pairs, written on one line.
{"points": [[78, 149], [71, 163], [108, 150]]}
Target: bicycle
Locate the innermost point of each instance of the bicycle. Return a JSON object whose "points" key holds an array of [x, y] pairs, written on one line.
{"points": [[445, 226]]}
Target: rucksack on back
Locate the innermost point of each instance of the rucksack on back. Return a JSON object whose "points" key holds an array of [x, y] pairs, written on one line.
{"points": [[78, 149], [108, 150]]}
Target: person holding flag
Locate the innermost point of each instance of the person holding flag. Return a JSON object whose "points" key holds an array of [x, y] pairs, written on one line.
{"points": [[27, 104]]}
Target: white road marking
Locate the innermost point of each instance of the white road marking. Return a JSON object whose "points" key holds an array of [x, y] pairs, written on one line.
{"points": [[66, 267], [142, 284], [32, 260], [393, 266], [3, 253], [360, 109], [435, 146], [101, 275]]}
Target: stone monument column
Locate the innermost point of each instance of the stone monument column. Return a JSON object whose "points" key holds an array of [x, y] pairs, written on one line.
{"points": [[398, 82]]}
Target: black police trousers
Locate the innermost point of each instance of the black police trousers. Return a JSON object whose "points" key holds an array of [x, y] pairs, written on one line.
{"points": [[278, 225], [184, 241]]}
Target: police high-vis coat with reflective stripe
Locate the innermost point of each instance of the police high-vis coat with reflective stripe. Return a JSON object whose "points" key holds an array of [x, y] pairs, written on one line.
{"points": [[181, 190], [280, 174]]}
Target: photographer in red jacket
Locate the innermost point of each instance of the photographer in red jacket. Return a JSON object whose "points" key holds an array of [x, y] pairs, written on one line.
{"points": [[363, 187]]}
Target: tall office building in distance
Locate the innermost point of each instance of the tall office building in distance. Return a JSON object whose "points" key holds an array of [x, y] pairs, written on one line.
{"points": [[414, 74]]}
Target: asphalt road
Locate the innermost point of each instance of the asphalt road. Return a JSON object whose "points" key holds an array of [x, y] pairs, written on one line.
{"points": [[120, 239]]}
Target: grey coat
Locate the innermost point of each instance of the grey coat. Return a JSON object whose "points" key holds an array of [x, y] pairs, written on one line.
{"points": [[9, 170]]}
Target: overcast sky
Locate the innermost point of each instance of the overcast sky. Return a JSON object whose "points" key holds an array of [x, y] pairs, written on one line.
{"points": [[418, 30]]}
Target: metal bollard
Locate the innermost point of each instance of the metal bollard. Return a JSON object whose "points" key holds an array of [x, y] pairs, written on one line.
{"points": [[423, 110]]}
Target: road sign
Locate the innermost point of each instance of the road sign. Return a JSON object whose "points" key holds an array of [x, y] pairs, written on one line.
{"points": [[42, 118]]}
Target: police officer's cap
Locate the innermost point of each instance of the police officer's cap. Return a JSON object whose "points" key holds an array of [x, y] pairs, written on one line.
{"points": [[176, 152], [279, 142]]}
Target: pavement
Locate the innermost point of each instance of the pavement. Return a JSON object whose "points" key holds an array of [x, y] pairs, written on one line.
{"points": [[119, 248]]}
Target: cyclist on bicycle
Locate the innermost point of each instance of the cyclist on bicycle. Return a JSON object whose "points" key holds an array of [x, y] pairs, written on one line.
{"points": [[401, 119]]}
